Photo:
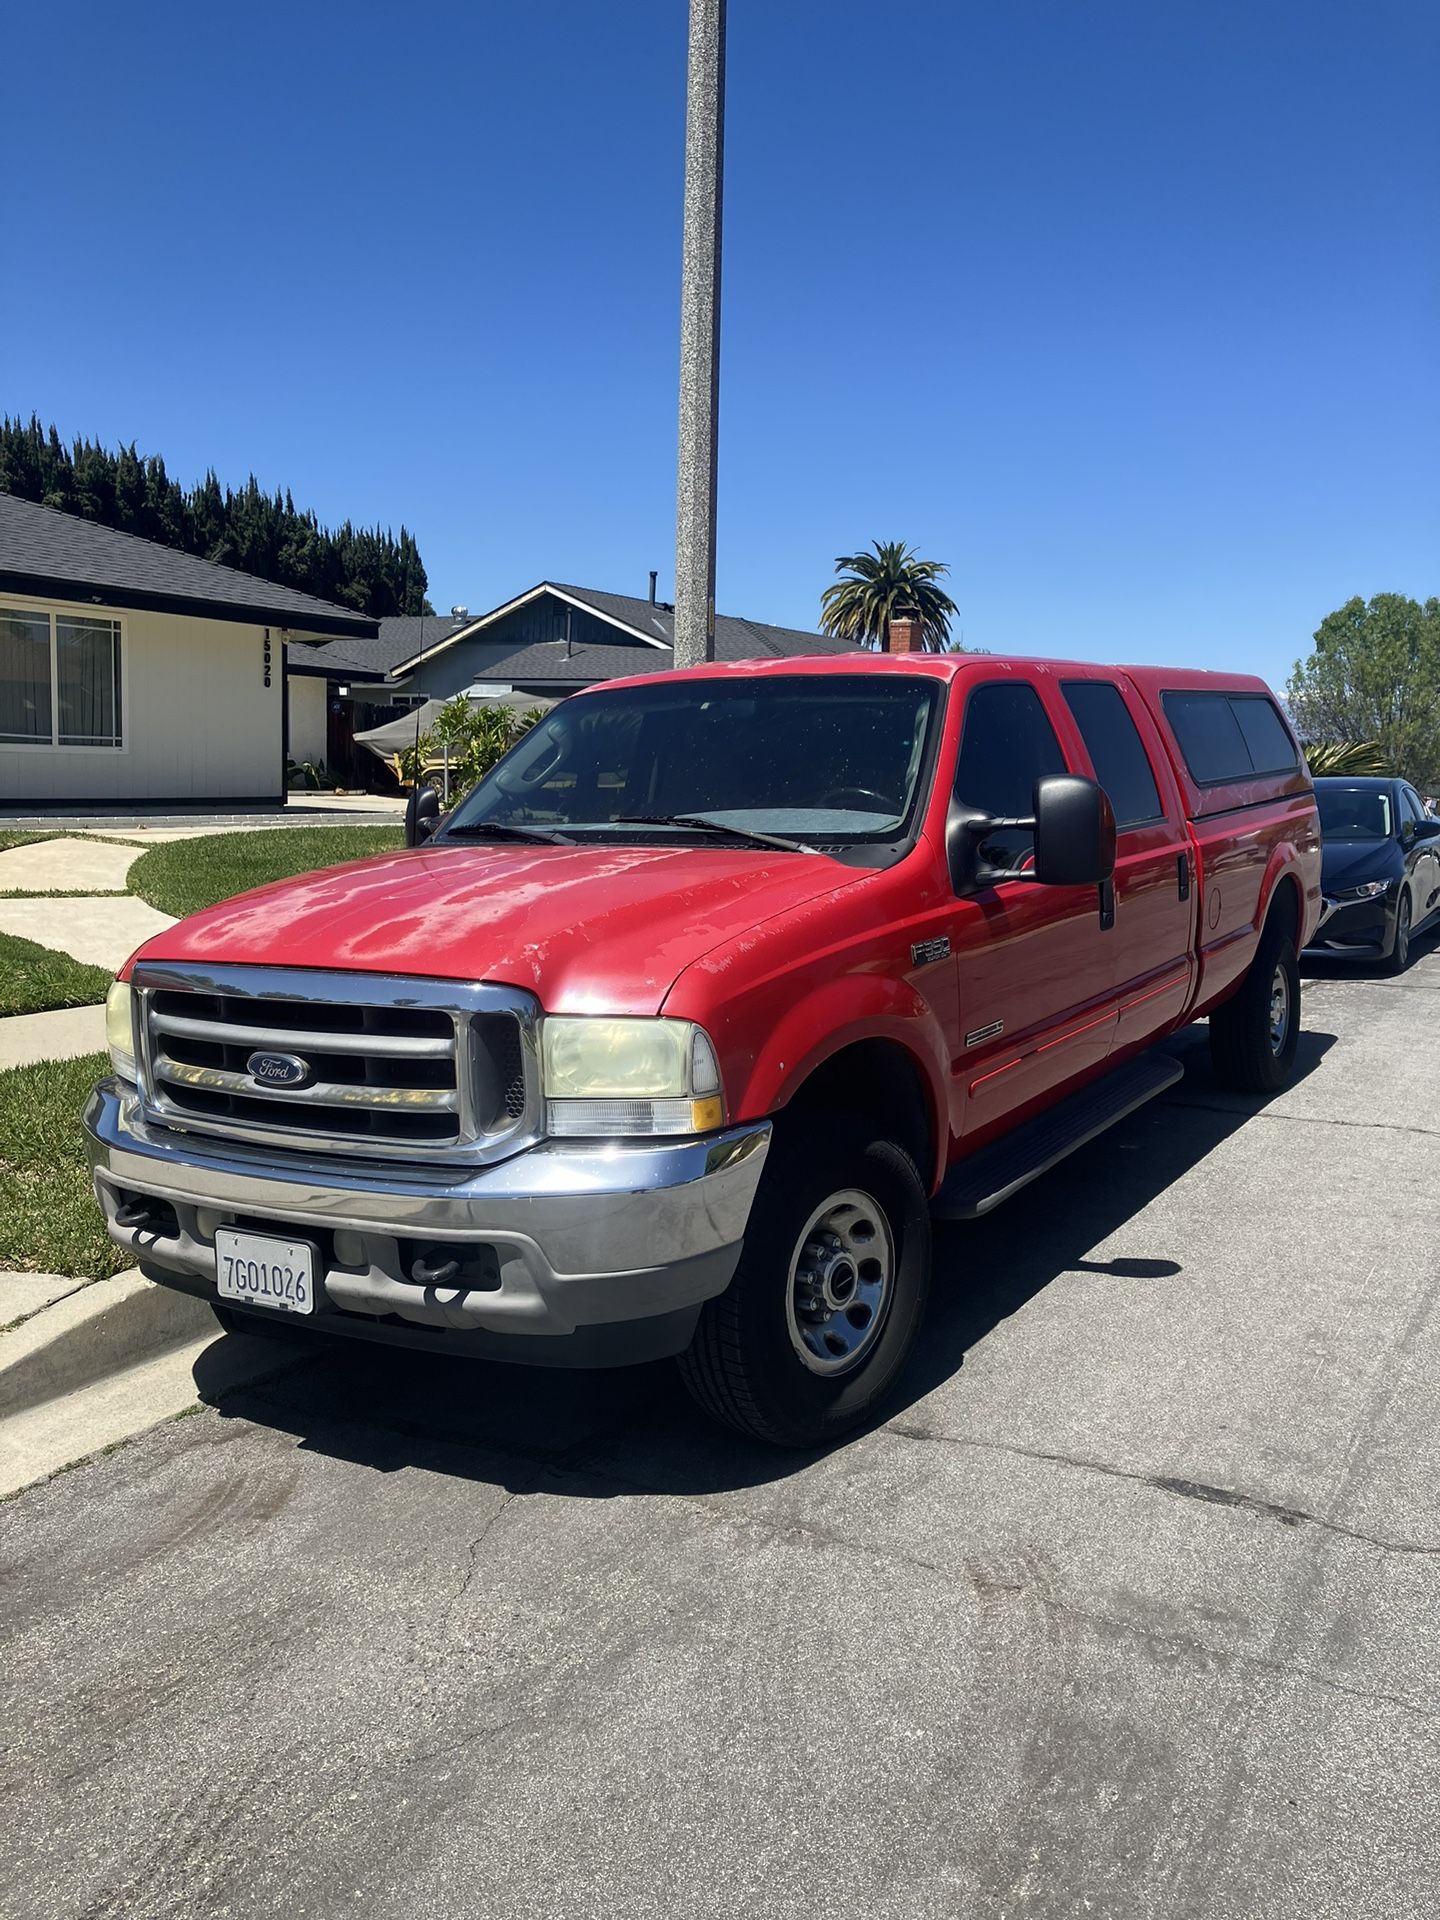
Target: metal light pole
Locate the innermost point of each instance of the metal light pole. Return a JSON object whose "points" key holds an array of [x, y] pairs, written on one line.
{"points": [[700, 337]]}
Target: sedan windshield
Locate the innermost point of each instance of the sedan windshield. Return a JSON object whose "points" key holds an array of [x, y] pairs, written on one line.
{"points": [[802, 757], [1353, 813]]}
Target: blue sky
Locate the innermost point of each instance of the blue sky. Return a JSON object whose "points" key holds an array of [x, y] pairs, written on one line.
{"points": [[1125, 309]]}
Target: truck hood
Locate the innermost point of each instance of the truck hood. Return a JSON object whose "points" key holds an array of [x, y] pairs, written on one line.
{"points": [[587, 929]]}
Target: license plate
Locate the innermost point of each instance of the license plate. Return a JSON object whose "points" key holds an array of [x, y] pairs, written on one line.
{"points": [[261, 1271]]}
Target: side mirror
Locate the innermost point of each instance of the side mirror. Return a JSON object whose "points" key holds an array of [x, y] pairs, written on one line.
{"points": [[1074, 832], [422, 815], [1428, 830]]}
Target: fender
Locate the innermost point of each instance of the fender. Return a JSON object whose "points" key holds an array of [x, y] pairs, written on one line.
{"points": [[1285, 860], [824, 1022]]}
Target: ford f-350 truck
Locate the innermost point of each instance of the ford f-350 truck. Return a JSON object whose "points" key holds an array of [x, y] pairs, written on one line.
{"points": [[677, 1033]]}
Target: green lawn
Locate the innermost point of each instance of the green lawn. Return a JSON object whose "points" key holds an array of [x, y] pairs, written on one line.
{"points": [[9, 840], [49, 1222], [35, 979], [182, 876]]}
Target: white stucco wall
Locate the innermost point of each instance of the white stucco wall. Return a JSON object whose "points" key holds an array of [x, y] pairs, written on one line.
{"points": [[309, 700], [199, 721]]}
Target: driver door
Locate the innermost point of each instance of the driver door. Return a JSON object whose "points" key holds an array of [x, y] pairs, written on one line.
{"points": [[1035, 969]]}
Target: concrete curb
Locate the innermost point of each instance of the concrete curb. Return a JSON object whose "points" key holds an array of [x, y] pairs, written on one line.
{"points": [[107, 1363], [101, 1329]]}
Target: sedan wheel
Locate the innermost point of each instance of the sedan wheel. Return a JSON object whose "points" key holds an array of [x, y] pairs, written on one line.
{"points": [[1399, 956]]}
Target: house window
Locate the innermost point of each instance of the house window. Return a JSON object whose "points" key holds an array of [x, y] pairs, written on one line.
{"points": [[59, 680]]}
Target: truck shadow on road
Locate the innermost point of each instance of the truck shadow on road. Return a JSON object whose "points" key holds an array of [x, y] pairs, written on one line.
{"points": [[634, 1430]]}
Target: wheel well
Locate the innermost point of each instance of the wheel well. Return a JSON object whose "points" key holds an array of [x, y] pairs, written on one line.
{"points": [[1284, 908], [881, 1081]]}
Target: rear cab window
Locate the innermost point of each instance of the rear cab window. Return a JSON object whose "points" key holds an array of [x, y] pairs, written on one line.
{"points": [[1229, 737]]}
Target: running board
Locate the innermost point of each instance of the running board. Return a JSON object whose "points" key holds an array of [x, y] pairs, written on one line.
{"points": [[982, 1181]]}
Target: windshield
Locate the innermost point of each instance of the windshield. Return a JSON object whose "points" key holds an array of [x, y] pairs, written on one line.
{"points": [[834, 758], [1353, 813]]}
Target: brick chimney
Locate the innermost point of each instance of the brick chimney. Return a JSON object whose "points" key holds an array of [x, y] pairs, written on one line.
{"points": [[905, 634]]}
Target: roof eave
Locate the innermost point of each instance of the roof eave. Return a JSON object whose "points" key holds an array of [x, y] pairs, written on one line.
{"points": [[320, 626]]}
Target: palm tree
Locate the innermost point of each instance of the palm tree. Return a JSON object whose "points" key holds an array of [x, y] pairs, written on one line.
{"points": [[876, 587], [1355, 757]]}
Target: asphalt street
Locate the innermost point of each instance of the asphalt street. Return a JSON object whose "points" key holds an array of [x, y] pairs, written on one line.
{"points": [[1129, 1608]]}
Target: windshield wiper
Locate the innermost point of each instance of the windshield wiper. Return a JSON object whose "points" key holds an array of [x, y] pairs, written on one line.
{"points": [[750, 835], [503, 830]]}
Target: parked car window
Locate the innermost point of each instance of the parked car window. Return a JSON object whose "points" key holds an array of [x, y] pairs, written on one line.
{"points": [[1266, 735], [1411, 813], [1116, 750], [836, 756], [1008, 744], [1228, 736], [1353, 813]]}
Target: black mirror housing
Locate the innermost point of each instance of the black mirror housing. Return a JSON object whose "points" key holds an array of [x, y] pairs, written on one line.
{"points": [[1074, 832], [422, 815]]}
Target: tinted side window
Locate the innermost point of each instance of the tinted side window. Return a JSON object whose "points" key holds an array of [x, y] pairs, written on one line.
{"points": [[1411, 813], [1008, 744], [1229, 736], [1271, 748], [1116, 750], [1209, 736]]}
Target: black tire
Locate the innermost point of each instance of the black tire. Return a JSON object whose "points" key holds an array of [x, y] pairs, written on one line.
{"points": [[1398, 958], [744, 1365], [1244, 1049]]}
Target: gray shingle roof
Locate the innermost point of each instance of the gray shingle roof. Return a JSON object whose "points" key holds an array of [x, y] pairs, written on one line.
{"points": [[403, 638], [735, 638], [400, 637], [63, 557], [547, 661]]}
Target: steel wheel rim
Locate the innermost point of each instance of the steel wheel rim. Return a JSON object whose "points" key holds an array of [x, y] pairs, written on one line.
{"points": [[1279, 1009], [1402, 932], [840, 1283]]}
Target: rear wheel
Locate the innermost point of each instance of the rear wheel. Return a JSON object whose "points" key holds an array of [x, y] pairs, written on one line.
{"points": [[1253, 1037], [1398, 958], [814, 1329]]}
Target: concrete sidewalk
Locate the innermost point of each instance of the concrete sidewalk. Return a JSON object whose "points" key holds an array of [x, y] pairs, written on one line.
{"points": [[301, 810], [67, 865], [101, 932], [64, 1035]]}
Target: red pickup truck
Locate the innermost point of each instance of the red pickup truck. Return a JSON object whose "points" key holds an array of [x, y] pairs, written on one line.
{"points": [[676, 1033]]}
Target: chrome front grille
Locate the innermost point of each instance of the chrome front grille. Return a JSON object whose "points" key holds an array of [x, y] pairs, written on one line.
{"points": [[378, 1065]]}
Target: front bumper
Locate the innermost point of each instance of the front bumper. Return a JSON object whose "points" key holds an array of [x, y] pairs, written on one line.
{"points": [[1360, 927], [571, 1253]]}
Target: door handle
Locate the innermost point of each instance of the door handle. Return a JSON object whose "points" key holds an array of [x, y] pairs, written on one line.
{"points": [[1182, 874]]}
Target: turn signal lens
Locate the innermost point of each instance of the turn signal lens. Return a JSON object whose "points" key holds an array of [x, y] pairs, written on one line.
{"points": [[120, 1029]]}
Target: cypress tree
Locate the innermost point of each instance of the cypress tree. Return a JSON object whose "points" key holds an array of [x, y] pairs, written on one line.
{"points": [[367, 568]]}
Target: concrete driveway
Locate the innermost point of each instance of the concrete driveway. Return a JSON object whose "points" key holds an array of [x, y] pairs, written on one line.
{"points": [[1129, 1609]]}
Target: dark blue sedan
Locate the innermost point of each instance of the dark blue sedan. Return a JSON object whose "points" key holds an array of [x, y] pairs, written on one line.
{"points": [[1381, 870]]}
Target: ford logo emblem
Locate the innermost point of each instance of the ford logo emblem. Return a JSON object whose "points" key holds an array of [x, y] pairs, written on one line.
{"points": [[278, 1069]]}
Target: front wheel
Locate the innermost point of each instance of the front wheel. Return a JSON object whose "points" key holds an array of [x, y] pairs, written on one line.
{"points": [[819, 1320], [1398, 958], [1253, 1037]]}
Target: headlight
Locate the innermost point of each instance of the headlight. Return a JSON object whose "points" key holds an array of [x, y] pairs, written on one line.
{"points": [[1370, 890], [612, 1077], [120, 1030]]}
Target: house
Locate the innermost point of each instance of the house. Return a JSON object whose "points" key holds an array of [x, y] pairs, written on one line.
{"points": [[132, 671], [551, 640]]}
